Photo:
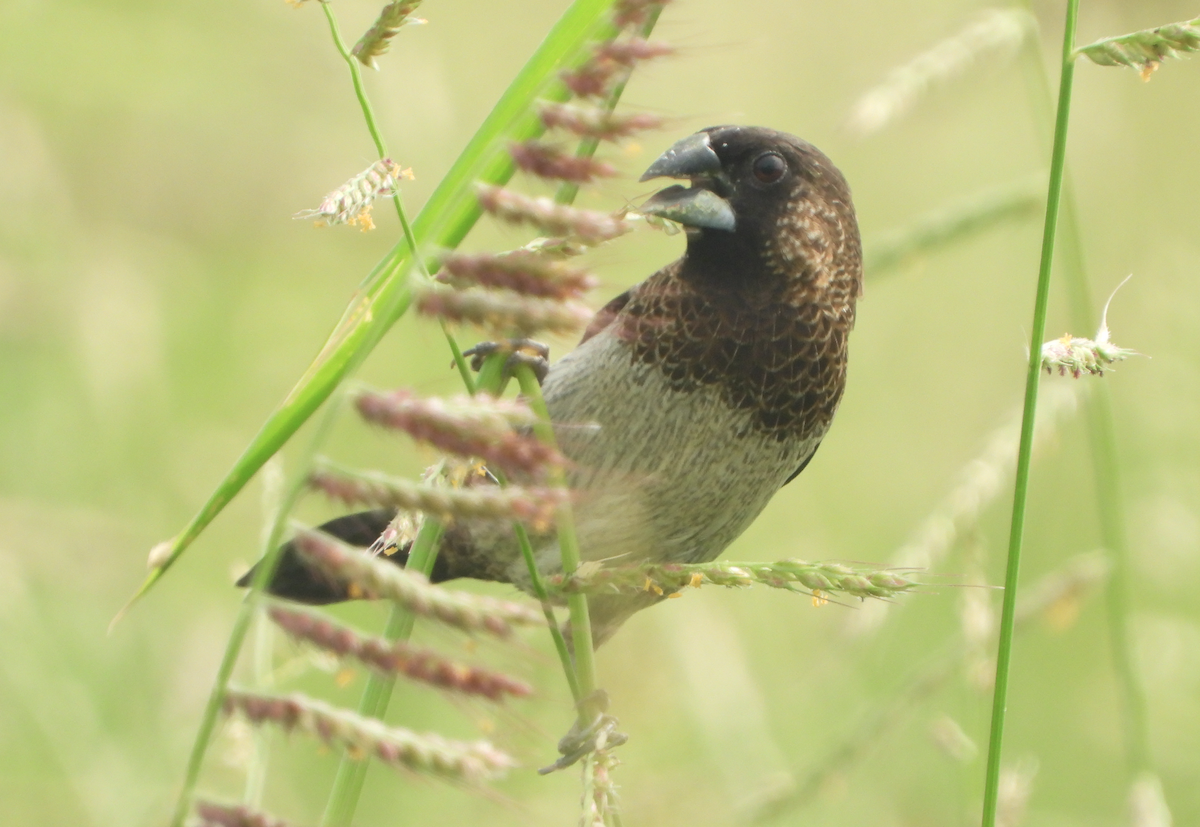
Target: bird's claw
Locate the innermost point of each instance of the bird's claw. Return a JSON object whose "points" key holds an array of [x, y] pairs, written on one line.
{"points": [[594, 730], [520, 352]]}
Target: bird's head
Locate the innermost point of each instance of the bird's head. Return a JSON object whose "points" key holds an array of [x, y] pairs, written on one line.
{"points": [[762, 206]]}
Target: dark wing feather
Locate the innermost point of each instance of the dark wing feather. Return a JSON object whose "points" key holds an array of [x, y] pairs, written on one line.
{"points": [[605, 315]]}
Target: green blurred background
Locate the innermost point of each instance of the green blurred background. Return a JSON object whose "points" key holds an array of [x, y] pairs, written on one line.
{"points": [[157, 300]]}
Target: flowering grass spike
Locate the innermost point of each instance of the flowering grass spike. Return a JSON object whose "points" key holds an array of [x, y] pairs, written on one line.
{"points": [[474, 426], [522, 271], [379, 578], [588, 226], [549, 162], [992, 31], [794, 575], [592, 122], [532, 506], [504, 312], [418, 664], [351, 202], [378, 38], [1077, 356], [1146, 49], [221, 815], [429, 753]]}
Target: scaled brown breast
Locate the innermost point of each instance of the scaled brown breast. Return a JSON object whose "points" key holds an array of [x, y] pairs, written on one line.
{"points": [[783, 360]]}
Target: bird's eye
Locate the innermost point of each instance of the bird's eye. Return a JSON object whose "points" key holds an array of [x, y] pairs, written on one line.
{"points": [[769, 167]]}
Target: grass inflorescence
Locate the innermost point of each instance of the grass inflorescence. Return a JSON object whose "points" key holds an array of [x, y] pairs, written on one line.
{"points": [[351, 202], [212, 814], [1147, 49], [423, 665], [381, 579], [816, 579], [427, 753], [993, 31], [378, 39], [531, 506], [478, 426]]}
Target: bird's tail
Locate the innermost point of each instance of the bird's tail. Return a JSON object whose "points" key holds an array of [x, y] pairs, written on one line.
{"points": [[296, 580]]}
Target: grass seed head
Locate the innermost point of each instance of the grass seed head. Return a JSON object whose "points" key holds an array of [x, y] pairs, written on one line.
{"points": [[1077, 356], [378, 38], [521, 271], [551, 163], [596, 122], [211, 814], [586, 226], [1147, 49], [429, 753], [993, 32], [351, 202]]}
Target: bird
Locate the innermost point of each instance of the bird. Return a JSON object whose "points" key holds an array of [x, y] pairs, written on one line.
{"points": [[705, 388]]}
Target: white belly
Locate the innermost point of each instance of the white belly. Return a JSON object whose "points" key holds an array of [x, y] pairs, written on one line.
{"points": [[661, 474]]}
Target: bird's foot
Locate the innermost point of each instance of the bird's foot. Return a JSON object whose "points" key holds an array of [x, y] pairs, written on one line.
{"points": [[520, 352], [593, 730]]}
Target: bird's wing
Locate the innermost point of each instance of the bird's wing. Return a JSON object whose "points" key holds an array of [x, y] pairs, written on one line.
{"points": [[605, 315], [803, 465]]}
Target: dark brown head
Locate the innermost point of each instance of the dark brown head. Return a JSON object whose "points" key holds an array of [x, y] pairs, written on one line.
{"points": [[763, 208]]}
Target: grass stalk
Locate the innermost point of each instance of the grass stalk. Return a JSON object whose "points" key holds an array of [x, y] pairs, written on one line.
{"points": [[1102, 441], [356, 77], [361, 328], [256, 771], [1102, 435], [377, 694], [272, 548], [1025, 453], [539, 589], [568, 544], [543, 596], [352, 770], [368, 112], [566, 194], [587, 147]]}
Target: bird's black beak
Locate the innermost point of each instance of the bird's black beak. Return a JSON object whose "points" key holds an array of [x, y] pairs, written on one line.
{"points": [[697, 206]]}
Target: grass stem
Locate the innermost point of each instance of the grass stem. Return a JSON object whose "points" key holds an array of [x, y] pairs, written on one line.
{"points": [[1101, 430], [352, 770], [272, 548], [1025, 453], [568, 543]]}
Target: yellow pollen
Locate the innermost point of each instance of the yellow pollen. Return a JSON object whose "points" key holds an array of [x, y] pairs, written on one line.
{"points": [[363, 219]]}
